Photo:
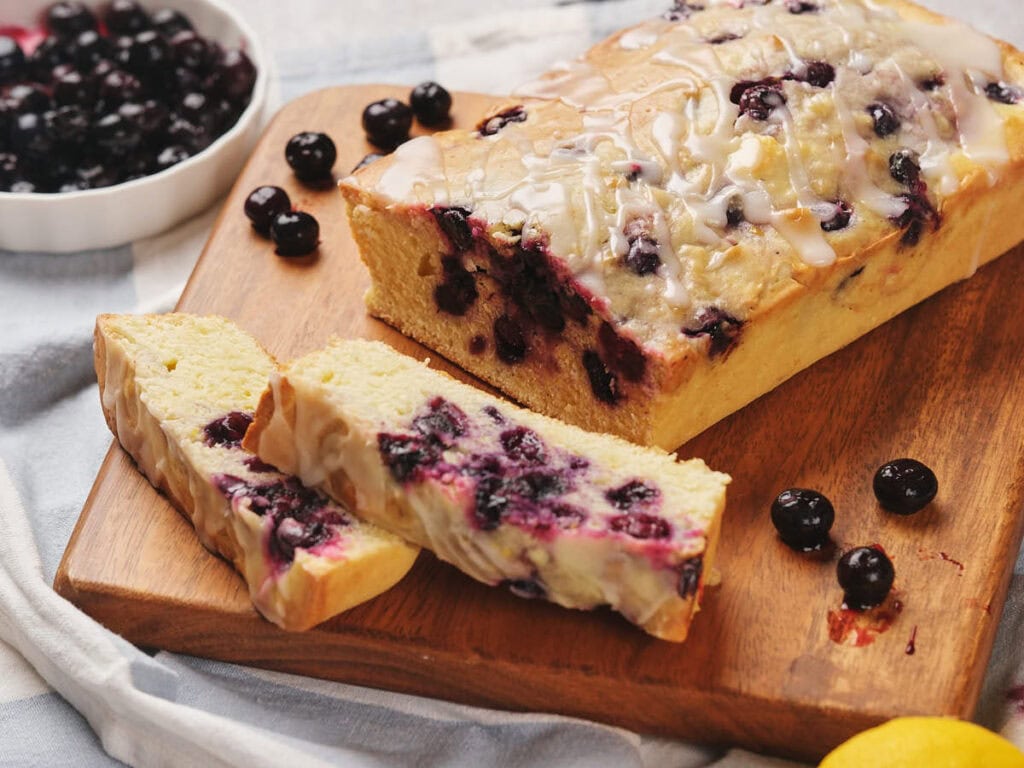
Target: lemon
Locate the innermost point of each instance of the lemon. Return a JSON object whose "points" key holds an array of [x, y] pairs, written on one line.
{"points": [[925, 742]]}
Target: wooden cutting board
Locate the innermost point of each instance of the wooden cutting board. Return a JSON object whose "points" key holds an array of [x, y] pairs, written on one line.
{"points": [[941, 383]]}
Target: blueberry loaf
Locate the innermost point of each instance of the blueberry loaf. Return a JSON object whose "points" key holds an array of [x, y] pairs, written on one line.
{"points": [[650, 237], [178, 392], [508, 496]]}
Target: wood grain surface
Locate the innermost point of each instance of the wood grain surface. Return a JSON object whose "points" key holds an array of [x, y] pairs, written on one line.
{"points": [[941, 383]]}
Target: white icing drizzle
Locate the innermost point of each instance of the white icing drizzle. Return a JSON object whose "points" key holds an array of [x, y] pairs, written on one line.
{"points": [[417, 172]]}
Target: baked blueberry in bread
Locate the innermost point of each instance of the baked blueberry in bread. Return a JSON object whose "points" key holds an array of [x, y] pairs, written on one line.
{"points": [[178, 391], [510, 497], [650, 237]]}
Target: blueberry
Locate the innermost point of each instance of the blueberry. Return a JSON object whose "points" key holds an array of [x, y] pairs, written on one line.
{"points": [[68, 126], [640, 525], [12, 60], [264, 204], [643, 258], [26, 97], [118, 87], [430, 103], [115, 135], [905, 486], [73, 88], [67, 19], [456, 292], [228, 430], [295, 233], [682, 10], [30, 135], [540, 484], [603, 383], [126, 17], [491, 125], [883, 118], [632, 494], [50, 53], [904, 166], [387, 122], [1003, 93], [490, 502], [454, 222], [820, 73], [367, 159], [443, 420], [734, 214], [528, 588], [523, 446], [189, 50], [235, 75], [169, 22], [621, 354], [841, 216], [149, 55], [689, 576], [721, 328], [8, 169], [919, 211], [866, 576], [798, 7], [311, 155], [170, 156], [509, 341], [406, 455], [89, 49], [803, 518]]}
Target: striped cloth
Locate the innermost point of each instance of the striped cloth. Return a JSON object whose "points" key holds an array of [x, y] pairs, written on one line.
{"points": [[73, 694]]}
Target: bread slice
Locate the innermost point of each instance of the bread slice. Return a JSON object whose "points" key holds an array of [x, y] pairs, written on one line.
{"points": [[652, 236], [508, 496], [178, 392]]}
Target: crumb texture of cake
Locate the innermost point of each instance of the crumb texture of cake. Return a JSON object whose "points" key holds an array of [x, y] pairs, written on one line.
{"points": [[179, 391], [649, 237], [508, 496]]}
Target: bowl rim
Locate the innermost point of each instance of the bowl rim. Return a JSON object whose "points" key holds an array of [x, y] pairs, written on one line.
{"points": [[253, 47]]}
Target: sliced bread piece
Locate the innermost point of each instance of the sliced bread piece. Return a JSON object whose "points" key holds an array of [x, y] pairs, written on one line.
{"points": [[508, 496], [178, 391]]}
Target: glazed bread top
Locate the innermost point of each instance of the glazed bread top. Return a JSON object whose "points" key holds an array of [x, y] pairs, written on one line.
{"points": [[687, 173]]}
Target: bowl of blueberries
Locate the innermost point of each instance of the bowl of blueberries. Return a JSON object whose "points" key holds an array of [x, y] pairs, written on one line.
{"points": [[120, 118]]}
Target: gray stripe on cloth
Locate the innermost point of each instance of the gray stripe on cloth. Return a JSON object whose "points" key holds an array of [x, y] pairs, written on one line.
{"points": [[47, 731]]}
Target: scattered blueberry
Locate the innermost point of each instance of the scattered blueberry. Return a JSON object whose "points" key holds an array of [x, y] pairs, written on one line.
{"points": [[866, 576], [311, 155], [919, 211], [295, 233], [454, 222], [801, 6], [904, 166], [883, 118], [905, 486], [528, 588], [431, 103], [734, 211], [405, 455], [803, 518], [643, 257], [620, 354], [443, 421], [387, 123], [264, 204], [523, 446]]}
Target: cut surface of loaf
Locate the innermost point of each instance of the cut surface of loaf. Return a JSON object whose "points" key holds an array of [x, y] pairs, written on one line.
{"points": [[178, 391], [652, 236], [508, 496]]}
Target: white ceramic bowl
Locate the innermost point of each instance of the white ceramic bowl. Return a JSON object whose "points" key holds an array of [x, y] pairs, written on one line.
{"points": [[99, 218]]}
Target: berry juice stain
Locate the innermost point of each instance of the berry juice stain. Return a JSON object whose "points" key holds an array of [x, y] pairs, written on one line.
{"points": [[948, 559], [860, 628], [912, 642]]}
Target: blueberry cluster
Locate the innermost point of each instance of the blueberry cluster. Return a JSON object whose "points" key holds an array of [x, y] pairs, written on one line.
{"points": [[111, 98], [804, 517]]}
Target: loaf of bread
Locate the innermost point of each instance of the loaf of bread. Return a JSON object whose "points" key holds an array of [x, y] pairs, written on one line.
{"points": [[178, 392], [652, 236], [508, 496]]}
